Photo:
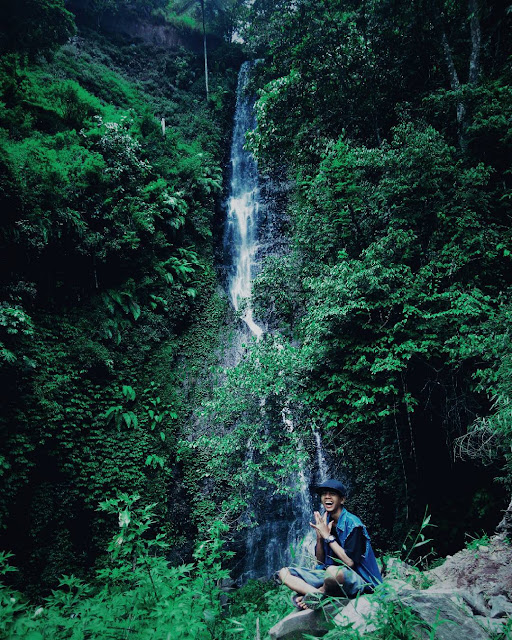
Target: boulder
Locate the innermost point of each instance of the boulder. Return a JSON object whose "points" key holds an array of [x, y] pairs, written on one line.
{"points": [[475, 601], [450, 621], [440, 610], [500, 607], [360, 614], [470, 599], [487, 569], [313, 623]]}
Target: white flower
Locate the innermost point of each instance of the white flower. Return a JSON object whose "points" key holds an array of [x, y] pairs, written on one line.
{"points": [[124, 518]]}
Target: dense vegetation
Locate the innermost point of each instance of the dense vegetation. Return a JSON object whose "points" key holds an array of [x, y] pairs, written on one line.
{"points": [[389, 312], [107, 239], [394, 122]]}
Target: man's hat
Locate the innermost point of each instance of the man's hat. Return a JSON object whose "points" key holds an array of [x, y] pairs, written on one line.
{"points": [[336, 485]]}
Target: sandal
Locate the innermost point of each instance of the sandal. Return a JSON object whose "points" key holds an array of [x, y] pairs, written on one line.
{"points": [[315, 600]]}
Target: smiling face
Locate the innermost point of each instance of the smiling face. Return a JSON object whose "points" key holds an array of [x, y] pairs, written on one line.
{"points": [[332, 502]]}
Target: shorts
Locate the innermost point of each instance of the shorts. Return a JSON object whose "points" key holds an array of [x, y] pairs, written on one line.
{"points": [[352, 586]]}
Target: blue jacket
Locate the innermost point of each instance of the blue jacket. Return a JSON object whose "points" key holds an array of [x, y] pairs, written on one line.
{"points": [[367, 568]]}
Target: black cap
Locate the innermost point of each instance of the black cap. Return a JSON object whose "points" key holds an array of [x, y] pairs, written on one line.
{"points": [[336, 485]]}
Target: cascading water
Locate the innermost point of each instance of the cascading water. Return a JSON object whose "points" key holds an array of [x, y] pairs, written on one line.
{"points": [[282, 534], [322, 470], [243, 205]]}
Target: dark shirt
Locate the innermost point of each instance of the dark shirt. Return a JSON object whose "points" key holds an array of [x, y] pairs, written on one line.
{"points": [[355, 545]]}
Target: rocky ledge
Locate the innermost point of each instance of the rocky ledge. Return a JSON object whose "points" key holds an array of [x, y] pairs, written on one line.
{"points": [[469, 597]]}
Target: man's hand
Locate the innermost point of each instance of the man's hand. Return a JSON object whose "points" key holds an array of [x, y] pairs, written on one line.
{"points": [[322, 527]]}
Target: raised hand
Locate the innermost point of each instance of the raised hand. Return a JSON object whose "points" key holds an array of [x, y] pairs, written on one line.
{"points": [[322, 527]]}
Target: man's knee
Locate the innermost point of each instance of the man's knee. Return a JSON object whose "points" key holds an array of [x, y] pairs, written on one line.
{"points": [[335, 572], [282, 574]]}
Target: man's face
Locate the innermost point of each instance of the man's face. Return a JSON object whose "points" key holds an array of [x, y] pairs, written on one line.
{"points": [[331, 500]]}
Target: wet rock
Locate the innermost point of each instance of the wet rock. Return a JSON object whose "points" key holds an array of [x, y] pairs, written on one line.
{"points": [[227, 584]]}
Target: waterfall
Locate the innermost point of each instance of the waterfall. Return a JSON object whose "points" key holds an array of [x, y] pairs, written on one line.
{"points": [[322, 470], [282, 534], [243, 206]]}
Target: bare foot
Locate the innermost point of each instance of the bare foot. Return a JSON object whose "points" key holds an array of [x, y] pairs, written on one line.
{"points": [[299, 601], [314, 600]]}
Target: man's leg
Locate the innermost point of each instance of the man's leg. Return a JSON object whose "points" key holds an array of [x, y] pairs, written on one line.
{"points": [[334, 579], [294, 583], [345, 581]]}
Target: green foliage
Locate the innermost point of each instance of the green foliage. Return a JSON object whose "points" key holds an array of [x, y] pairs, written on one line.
{"points": [[33, 26], [390, 310], [15, 326], [244, 440], [257, 606], [412, 543], [187, 15], [488, 437], [506, 633], [254, 592], [106, 236], [395, 290], [136, 592]]}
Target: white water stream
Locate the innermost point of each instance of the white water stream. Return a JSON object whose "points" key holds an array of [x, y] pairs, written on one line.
{"points": [[320, 458], [283, 534], [243, 206]]}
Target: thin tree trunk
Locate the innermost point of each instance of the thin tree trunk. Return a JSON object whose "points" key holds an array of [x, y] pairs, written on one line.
{"points": [[476, 42], [454, 78], [205, 52], [474, 67]]}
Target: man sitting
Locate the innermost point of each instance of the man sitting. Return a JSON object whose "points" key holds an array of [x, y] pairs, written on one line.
{"points": [[347, 564]]}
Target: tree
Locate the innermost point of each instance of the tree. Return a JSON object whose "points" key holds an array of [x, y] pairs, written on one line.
{"points": [[34, 26], [210, 10]]}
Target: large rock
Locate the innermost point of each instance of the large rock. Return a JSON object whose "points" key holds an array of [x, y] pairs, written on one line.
{"points": [[313, 623], [360, 614], [488, 568], [363, 613], [500, 607], [450, 620], [470, 599]]}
